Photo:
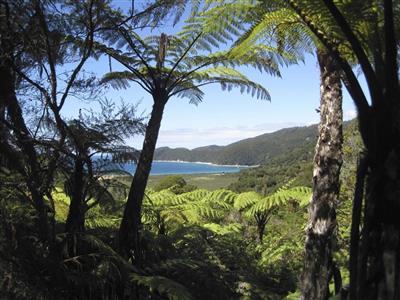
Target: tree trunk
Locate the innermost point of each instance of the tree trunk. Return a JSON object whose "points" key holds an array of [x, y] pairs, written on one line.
{"points": [[29, 166], [129, 231], [3, 132], [262, 219], [327, 163], [379, 249], [76, 215]]}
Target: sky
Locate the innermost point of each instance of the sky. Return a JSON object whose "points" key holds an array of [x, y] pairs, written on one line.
{"points": [[226, 117]]}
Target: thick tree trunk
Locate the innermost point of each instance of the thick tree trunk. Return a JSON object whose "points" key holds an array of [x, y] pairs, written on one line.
{"points": [[379, 249], [76, 215], [129, 231], [327, 163]]}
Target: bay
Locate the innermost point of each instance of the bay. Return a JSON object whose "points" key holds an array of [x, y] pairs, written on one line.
{"points": [[179, 167]]}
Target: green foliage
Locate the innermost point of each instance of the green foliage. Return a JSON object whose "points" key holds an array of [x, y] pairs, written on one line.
{"points": [[170, 181], [175, 183], [222, 230], [244, 200], [163, 286], [183, 63], [299, 194], [286, 146]]}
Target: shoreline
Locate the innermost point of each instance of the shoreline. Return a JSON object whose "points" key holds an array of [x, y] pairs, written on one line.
{"points": [[116, 175], [207, 163]]}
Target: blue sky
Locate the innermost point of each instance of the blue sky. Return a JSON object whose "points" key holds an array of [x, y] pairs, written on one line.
{"points": [[226, 117]]}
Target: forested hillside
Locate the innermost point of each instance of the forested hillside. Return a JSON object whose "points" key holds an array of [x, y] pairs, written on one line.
{"points": [[294, 163], [293, 143]]}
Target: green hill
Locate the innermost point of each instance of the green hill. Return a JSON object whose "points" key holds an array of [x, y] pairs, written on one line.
{"points": [[296, 142]]}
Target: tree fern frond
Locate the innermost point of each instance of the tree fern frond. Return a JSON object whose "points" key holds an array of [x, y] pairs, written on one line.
{"points": [[244, 200], [196, 195], [163, 286], [282, 196], [222, 230], [189, 90], [118, 80], [224, 195]]}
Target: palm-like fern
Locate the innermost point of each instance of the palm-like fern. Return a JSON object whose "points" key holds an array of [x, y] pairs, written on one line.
{"points": [[167, 66], [261, 210], [168, 212], [180, 65]]}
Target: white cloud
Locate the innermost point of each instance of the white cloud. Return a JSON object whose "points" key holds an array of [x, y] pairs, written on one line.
{"points": [[350, 114], [192, 138]]}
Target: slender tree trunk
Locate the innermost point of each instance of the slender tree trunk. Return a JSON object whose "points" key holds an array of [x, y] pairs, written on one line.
{"points": [[261, 220], [8, 99], [76, 215], [3, 132], [129, 231], [327, 163]]}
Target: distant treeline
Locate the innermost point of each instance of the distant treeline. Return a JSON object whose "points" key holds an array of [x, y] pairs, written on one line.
{"points": [[294, 143]]}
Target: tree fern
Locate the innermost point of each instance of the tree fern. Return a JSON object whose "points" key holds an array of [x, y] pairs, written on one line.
{"points": [[245, 200], [282, 196]]}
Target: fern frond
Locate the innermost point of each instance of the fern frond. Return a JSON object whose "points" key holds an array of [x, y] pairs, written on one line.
{"points": [[163, 286], [224, 195], [222, 230], [281, 197], [244, 200], [119, 80]]}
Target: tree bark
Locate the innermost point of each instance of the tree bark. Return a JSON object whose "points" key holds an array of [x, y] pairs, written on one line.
{"points": [[327, 163], [379, 249], [129, 231], [76, 215], [30, 165], [355, 224], [3, 133]]}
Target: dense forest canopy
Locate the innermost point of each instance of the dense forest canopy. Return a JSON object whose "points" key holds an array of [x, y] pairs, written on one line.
{"points": [[317, 218]]}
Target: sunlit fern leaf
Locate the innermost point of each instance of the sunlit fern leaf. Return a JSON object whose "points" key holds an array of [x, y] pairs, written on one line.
{"points": [[164, 198], [197, 211], [302, 194], [222, 230], [196, 195], [162, 286], [150, 191], [280, 197], [218, 204], [245, 200], [224, 195], [96, 219]]}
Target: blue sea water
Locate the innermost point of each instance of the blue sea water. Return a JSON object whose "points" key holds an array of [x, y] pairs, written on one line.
{"points": [[172, 167]]}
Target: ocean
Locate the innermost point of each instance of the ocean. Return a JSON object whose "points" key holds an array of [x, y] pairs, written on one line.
{"points": [[177, 167]]}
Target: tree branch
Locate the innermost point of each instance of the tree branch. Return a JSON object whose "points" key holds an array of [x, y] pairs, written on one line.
{"points": [[372, 80], [183, 55]]}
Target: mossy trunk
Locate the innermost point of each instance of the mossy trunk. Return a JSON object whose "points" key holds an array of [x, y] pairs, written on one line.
{"points": [[327, 163], [129, 231]]}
